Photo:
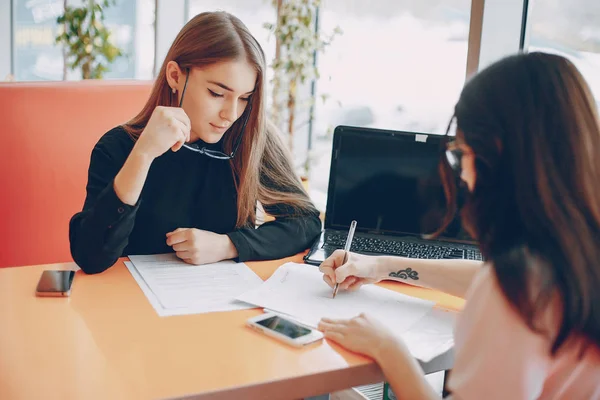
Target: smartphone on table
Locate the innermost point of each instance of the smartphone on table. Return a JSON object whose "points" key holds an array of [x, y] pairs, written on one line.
{"points": [[54, 283], [285, 329]]}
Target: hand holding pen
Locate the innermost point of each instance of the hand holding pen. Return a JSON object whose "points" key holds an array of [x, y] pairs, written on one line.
{"points": [[346, 251]]}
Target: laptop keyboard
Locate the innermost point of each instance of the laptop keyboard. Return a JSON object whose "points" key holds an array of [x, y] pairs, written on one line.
{"points": [[401, 248]]}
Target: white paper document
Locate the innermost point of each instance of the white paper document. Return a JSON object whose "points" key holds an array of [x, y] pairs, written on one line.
{"points": [[432, 335], [299, 290], [174, 287]]}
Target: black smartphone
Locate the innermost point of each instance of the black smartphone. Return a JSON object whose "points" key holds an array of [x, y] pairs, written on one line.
{"points": [[55, 283]]}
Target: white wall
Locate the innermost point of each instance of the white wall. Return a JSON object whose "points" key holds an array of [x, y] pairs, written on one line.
{"points": [[501, 30], [170, 18], [5, 39]]}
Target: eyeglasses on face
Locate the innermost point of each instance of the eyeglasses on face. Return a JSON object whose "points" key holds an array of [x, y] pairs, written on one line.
{"points": [[454, 156]]}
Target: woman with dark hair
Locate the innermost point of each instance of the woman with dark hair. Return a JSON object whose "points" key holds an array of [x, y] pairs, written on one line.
{"points": [[527, 148]]}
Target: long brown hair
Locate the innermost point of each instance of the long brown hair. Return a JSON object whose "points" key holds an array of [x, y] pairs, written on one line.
{"points": [[533, 126], [262, 168]]}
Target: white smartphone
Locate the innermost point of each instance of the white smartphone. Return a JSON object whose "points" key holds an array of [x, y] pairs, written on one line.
{"points": [[284, 329]]}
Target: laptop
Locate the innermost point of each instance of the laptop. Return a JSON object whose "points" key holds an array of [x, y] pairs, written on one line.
{"points": [[388, 182]]}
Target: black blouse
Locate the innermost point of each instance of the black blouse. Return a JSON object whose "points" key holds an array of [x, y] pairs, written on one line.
{"points": [[182, 189]]}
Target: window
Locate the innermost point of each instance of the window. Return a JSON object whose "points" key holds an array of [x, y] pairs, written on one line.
{"points": [[397, 65], [38, 58], [132, 26], [571, 29], [253, 13], [35, 55]]}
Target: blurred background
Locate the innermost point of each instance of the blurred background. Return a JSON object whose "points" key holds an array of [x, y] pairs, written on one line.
{"points": [[395, 64]]}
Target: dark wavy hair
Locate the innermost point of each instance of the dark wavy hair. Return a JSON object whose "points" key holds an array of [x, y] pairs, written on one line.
{"points": [[533, 125]]}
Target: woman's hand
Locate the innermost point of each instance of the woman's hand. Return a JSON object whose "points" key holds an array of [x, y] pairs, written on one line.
{"points": [[168, 128], [351, 275], [367, 336], [362, 334], [195, 246]]}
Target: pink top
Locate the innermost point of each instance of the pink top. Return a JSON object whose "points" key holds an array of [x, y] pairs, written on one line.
{"points": [[499, 357]]}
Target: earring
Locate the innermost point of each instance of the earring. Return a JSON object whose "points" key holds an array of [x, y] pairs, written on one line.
{"points": [[174, 90]]}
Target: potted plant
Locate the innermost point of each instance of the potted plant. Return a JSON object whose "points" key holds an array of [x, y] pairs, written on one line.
{"points": [[297, 44], [86, 39]]}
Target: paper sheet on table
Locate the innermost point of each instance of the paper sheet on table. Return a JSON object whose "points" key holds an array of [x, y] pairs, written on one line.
{"points": [[432, 335], [299, 290], [178, 288]]}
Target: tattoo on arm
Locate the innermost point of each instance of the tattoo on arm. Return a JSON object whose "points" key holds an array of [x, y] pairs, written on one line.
{"points": [[407, 273]]}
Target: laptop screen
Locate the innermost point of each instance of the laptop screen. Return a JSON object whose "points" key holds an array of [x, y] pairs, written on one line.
{"points": [[388, 181]]}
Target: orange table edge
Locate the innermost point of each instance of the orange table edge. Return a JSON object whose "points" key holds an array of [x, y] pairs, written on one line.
{"points": [[106, 341]]}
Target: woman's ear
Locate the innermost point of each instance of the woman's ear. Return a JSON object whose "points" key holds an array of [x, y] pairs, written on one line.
{"points": [[175, 76]]}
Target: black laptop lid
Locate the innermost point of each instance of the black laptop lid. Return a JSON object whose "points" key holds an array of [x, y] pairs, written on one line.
{"points": [[388, 181]]}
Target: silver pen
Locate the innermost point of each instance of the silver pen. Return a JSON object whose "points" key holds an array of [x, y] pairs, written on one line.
{"points": [[346, 251]]}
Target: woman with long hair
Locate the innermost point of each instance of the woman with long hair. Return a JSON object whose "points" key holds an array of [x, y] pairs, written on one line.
{"points": [[527, 149], [186, 174]]}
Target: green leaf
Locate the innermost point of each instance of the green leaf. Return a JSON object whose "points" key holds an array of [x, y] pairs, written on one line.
{"points": [[86, 39]]}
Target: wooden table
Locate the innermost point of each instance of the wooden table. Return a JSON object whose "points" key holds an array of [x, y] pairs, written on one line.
{"points": [[107, 342]]}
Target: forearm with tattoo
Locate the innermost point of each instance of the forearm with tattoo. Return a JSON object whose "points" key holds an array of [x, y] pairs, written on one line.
{"points": [[449, 276], [407, 273]]}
